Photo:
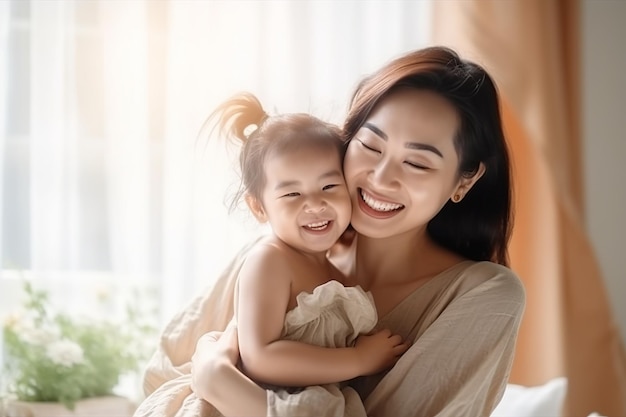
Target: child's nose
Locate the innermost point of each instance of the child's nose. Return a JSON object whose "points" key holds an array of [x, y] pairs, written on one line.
{"points": [[315, 207]]}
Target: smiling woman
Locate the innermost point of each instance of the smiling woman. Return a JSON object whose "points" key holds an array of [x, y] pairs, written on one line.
{"points": [[421, 159], [447, 290]]}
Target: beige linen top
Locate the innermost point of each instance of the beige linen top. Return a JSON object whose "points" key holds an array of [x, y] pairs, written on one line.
{"points": [[463, 324]]}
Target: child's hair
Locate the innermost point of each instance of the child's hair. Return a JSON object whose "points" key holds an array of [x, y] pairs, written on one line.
{"points": [[243, 119]]}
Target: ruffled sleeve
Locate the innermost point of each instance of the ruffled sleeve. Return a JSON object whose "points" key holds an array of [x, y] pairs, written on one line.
{"points": [[331, 316]]}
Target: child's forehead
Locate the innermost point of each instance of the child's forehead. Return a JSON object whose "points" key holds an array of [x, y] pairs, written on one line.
{"points": [[304, 145], [301, 169]]}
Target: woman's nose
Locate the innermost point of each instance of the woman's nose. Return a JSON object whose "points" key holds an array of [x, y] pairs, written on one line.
{"points": [[383, 173]]}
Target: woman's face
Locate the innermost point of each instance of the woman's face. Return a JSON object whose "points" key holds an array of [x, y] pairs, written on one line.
{"points": [[401, 167]]}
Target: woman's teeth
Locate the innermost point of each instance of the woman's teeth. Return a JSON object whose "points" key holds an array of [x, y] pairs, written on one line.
{"points": [[379, 205], [318, 225]]}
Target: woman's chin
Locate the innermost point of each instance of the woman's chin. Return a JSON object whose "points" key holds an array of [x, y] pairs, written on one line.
{"points": [[371, 227]]}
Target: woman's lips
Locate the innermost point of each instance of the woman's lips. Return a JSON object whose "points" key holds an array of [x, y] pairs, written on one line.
{"points": [[377, 208]]}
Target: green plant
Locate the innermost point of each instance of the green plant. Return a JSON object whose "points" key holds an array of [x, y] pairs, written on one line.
{"points": [[57, 357]]}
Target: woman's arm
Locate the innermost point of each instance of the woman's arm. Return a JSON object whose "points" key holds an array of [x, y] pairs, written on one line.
{"points": [[216, 379], [264, 293]]}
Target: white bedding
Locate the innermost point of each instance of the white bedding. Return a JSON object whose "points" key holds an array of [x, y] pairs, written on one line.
{"points": [[542, 400], [537, 401]]}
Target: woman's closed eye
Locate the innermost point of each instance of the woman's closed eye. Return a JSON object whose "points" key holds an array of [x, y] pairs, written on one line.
{"points": [[417, 165], [368, 147]]}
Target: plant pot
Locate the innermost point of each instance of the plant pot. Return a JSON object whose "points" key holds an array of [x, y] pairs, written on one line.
{"points": [[109, 406]]}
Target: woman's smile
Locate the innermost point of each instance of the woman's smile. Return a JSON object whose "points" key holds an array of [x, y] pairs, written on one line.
{"points": [[375, 207]]}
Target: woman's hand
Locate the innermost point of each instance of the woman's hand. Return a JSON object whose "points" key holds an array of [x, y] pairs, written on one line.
{"points": [[216, 379], [215, 351]]}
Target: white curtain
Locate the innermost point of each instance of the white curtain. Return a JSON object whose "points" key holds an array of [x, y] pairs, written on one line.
{"points": [[103, 171]]}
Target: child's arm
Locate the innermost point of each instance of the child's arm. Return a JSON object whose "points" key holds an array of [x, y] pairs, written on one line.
{"points": [[264, 293]]}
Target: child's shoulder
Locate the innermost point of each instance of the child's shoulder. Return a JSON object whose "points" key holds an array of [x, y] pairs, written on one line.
{"points": [[270, 253], [269, 247]]}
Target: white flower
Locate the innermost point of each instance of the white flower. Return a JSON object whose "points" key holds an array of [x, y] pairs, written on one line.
{"points": [[12, 321], [36, 336], [65, 352]]}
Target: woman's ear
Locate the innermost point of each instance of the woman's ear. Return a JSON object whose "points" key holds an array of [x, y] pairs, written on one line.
{"points": [[256, 207], [466, 184]]}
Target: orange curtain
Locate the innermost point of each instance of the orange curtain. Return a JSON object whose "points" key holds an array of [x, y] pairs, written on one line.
{"points": [[531, 49]]}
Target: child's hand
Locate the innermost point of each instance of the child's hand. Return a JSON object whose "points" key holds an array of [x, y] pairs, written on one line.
{"points": [[379, 351]]}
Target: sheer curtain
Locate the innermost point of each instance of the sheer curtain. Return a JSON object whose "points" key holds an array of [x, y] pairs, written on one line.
{"points": [[105, 177]]}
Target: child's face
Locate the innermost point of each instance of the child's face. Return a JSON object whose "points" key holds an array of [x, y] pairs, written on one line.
{"points": [[305, 198]]}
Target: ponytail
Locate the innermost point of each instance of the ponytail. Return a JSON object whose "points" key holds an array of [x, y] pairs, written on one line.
{"points": [[238, 116]]}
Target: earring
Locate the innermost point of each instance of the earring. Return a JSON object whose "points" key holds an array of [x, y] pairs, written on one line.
{"points": [[456, 198]]}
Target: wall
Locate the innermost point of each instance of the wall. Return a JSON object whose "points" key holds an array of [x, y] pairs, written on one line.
{"points": [[604, 134]]}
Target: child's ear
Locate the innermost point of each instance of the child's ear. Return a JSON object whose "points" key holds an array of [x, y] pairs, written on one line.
{"points": [[256, 207]]}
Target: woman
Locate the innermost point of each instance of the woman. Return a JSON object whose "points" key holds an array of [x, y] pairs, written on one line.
{"points": [[427, 169]]}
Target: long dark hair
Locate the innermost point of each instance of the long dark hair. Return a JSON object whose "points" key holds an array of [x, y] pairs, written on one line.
{"points": [[479, 226]]}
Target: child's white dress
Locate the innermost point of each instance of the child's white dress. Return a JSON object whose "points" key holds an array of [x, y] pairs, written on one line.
{"points": [[332, 316]]}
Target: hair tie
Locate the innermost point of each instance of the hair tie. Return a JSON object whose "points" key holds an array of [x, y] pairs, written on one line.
{"points": [[253, 127], [249, 130]]}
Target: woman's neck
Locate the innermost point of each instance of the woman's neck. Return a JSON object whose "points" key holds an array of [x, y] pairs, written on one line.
{"points": [[399, 259]]}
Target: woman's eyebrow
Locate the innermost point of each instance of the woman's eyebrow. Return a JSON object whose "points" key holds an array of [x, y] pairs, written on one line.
{"points": [[410, 145], [376, 130], [423, 147]]}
